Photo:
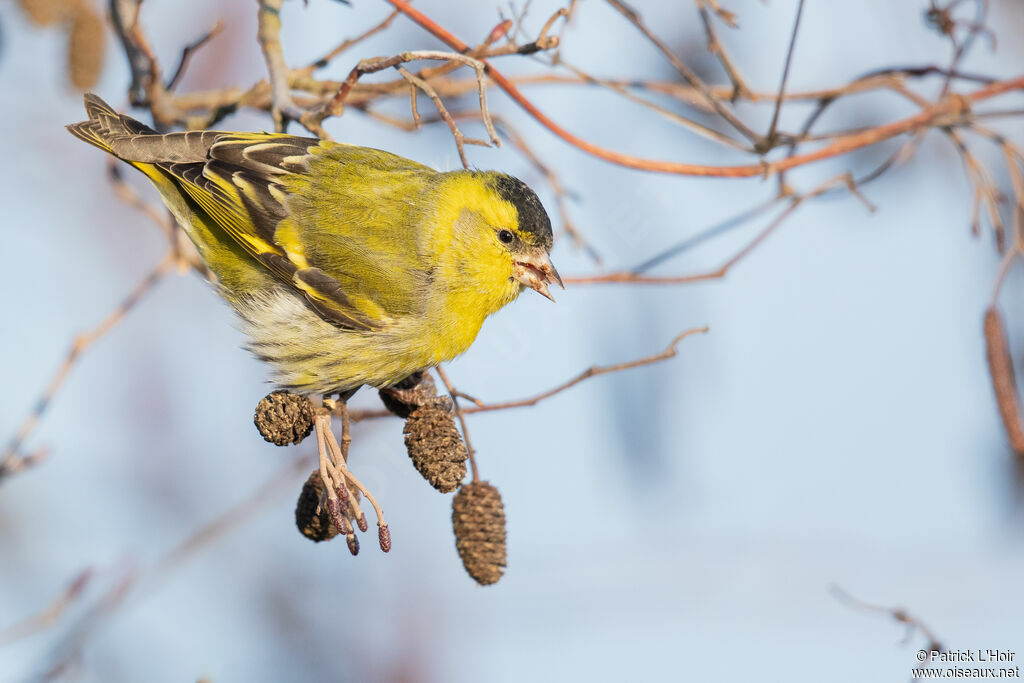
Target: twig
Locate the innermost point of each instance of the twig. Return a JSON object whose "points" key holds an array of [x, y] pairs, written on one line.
{"points": [[900, 615], [770, 139], [348, 43], [137, 584], [14, 460], [844, 180], [703, 236], [943, 113], [188, 51], [282, 107], [127, 194], [460, 139], [687, 73], [313, 120], [561, 194], [739, 86], [622, 89], [51, 613], [462, 420], [631, 277], [593, 371]]}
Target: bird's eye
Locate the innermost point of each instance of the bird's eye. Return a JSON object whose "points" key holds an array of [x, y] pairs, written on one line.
{"points": [[506, 237]]}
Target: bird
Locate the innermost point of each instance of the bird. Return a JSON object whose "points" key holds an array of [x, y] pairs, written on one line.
{"points": [[347, 266]]}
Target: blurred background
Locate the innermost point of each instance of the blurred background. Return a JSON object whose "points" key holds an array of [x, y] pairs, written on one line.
{"points": [[681, 521]]}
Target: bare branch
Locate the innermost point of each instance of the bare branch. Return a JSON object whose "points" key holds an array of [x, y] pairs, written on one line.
{"points": [[14, 460]]}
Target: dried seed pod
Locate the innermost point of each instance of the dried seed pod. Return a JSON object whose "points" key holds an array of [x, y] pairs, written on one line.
{"points": [[313, 519], [283, 418], [435, 446], [46, 12], [86, 47], [478, 518], [1000, 366], [409, 394]]}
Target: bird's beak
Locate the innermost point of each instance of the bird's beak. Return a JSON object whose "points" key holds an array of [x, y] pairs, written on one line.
{"points": [[536, 271]]}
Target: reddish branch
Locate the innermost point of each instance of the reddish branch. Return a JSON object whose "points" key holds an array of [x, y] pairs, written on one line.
{"points": [[946, 112]]}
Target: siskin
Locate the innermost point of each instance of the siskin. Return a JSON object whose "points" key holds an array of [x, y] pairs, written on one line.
{"points": [[347, 265]]}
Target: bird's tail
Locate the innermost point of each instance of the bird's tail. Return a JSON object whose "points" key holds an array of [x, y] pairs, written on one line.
{"points": [[105, 126]]}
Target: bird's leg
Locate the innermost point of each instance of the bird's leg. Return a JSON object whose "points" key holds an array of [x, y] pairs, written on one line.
{"points": [[328, 470], [355, 486], [357, 514], [342, 487], [342, 506]]}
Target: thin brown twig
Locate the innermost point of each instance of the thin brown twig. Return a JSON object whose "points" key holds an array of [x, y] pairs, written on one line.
{"points": [[313, 120], [553, 180], [282, 107], [715, 230], [348, 44], [460, 139], [51, 613], [770, 138], [188, 51], [671, 351], [139, 583], [912, 623], [633, 277], [14, 460], [127, 194], [623, 89], [984, 189], [944, 113], [637, 276], [470, 451], [688, 74], [593, 371], [715, 47]]}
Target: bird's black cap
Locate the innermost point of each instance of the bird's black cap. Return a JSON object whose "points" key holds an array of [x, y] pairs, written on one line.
{"points": [[533, 218]]}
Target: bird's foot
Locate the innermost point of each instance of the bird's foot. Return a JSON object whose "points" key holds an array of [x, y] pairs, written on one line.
{"points": [[341, 488]]}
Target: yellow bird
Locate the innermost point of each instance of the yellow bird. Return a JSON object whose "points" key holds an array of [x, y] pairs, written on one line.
{"points": [[347, 265]]}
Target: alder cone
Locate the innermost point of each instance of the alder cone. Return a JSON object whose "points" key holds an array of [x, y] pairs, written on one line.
{"points": [[311, 518], [47, 12], [478, 518], [412, 392], [86, 48], [435, 445], [284, 418]]}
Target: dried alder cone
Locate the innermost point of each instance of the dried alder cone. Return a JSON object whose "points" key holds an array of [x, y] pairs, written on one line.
{"points": [[284, 418], [478, 518], [311, 516], [435, 445], [409, 394], [86, 46], [47, 12], [431, 437], [1000, 365], [86, 35]]}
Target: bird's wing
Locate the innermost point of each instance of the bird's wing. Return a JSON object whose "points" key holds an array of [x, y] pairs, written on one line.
{"points": [[325, 218]]}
